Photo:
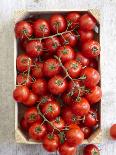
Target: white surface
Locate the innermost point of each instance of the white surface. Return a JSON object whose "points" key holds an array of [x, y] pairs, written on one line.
{"points": [[108, 33]]}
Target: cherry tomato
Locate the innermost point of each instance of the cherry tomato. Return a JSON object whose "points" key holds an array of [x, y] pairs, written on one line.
{"points": [[51, 142], [57, 23], [37, 131], [21, 93], [91, 49], [93, 63], [91, 149], [22, 44], [34, 48], [65, 53], [24, 124], [73, 67], [113, 131], [37, 70], [23, 30], [23, 62], [51, 110], [87, 131], [95, 95], [90, 77], [86, 35], [41, 28], [57, 85], [39, 87], [67, 98], [87, 22], [81, 107]]}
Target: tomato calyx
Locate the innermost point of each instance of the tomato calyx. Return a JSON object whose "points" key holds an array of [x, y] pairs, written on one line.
{"points": [[32, 117], [38, 129], [83, 77], [65, 51], [94, 49], [50, 136], [59, 82], [57, 119], [52, 67], [50, 108], [95, 152], [62, 137], [54, 45], [42, 27]]}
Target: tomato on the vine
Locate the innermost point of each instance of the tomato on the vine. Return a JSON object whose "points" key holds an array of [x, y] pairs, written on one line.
{"points": [[37, 70], [67, 98], [87, 131], [91, 149], [85, 35], [24, 124], [93, 63], [113, 131]]}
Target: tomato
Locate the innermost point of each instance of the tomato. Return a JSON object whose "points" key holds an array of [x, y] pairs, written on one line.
{"points": [[85, 35], [81, 107], [82, 59], [24, 124], [91, 149], [22, 44], [90, 77], [57, 23], [52, 44], [65, 53], [87, 131], [67, 98], [23, 30], [51, 67], [74, 137], [51, 110], [93, 63], [94, 95], [31, 116], [39, 87], [68, 38], [37, 70], [21, 93], [41, 28], [51, 142], [65, 149], [113, 131], [73, 67], [91, 49], [72, 19], [34, 48], [57, 85], [87, 22], [31, 100], [37, 131], [23, 62]]}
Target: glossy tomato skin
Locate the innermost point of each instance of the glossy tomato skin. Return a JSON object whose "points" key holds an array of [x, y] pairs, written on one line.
{"points": [[23, 30], [73, 67], [91, 149], [91, 77], [113, 131], [57, 85], [67, 98], [91, 49], [39, 87], [37, 70], [93, 63], [21, 93], [85, 35], [95, 95], [57, 23], [41, 28], [23, 62], [65, 53], [51, 67], [22, 44], [81, 107], [37, 131], [51, 110], [51, 142], [24, 124], [87, 22], [34, 48], [87, 131]]}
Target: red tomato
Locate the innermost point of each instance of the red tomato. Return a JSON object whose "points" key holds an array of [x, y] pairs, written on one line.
{"points": [[37, 70], [23, 62], [24, 124], [31, 100], [91, 49], [22, 44], [51, 142], [87, 22], [81, 107], [41, 28], [52, 44], [57, 23], [21, 93], [87, 131], [65, 53], [113, 131], [91, 149], [95, 95], [51, 67], [31, 116], [80, 58], [57, 85], [51, 110], [72, 19], [93, 63], [67, 98], [23, 30], [86, 35], [90, 77], [39, 87], [73, 67], [37, 131], [68, 39], [34, 48]]}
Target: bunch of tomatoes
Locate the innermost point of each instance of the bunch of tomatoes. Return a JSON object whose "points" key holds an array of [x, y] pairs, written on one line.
{"points": [[58, 79]]}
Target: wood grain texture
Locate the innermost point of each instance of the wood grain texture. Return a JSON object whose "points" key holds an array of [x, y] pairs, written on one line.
{"points": [[108, 68]]}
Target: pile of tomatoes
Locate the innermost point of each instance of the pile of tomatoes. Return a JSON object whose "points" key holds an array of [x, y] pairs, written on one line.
{"points": [[58, 79]]}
